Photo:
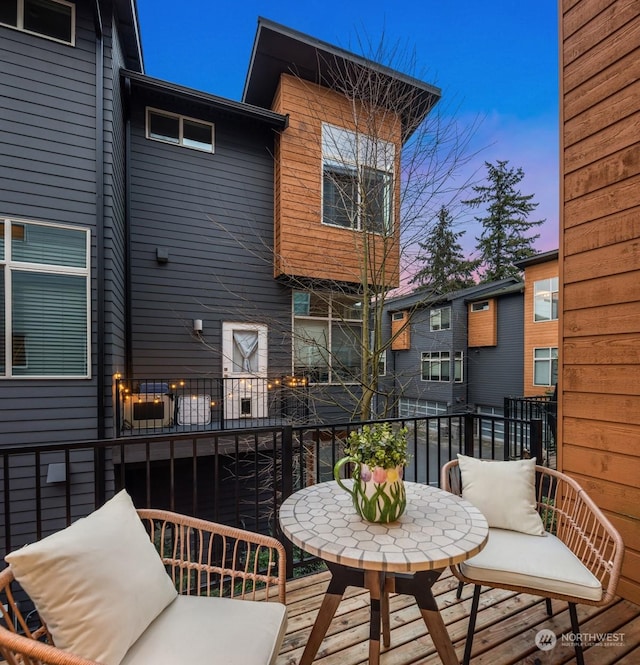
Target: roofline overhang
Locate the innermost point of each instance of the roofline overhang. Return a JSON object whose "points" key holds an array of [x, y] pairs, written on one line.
{"points": [[240, 109], [129, 23], [543, 257], [311, 59]]}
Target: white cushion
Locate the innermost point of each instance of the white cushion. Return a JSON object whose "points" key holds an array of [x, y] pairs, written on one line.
{"points": [[97, 584], [504, 492], [522, 560], [202, 630]]}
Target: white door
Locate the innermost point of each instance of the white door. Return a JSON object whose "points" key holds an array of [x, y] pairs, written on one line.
{"points": [[244, 369]]}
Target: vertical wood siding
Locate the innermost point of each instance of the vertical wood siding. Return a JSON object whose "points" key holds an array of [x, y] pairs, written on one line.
{"points": [[600, 267], [483, 330]]}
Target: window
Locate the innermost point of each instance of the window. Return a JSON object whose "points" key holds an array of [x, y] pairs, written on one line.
{"points": [[179, 130], [545, 299], [382, 364], [54, 19], [440, 319], [44, 300], [436, 366], [480, 306], [357, 181], [327, 339], [458, 367], [545, 366]]}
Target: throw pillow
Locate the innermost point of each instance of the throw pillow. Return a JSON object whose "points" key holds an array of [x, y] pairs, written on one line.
{"points": [[504, 492], [98, 583]]}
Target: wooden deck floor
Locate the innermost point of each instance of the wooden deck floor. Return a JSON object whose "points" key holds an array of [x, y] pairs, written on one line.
{"points": [[506, 628]]}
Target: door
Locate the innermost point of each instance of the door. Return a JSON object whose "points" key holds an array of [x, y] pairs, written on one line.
{"points": [[244, 369]]}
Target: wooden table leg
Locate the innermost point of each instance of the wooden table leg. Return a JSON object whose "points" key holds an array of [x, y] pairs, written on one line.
{"points": [[419, 586], [374, 581], [341, 578]]}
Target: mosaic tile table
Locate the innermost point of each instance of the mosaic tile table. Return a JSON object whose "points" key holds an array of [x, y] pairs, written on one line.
{"points": [[407, 556]]}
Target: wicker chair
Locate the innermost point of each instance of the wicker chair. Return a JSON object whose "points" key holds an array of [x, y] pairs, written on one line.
{"points": [[572, 517], [202, 558]]}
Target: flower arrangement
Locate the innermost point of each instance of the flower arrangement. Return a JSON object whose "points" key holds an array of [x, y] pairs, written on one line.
{"points": [[380, 451]]}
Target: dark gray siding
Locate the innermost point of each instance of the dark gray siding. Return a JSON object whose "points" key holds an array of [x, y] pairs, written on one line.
{"points": [[115, 221], [498, 372], [214, 215], [47, 172]]}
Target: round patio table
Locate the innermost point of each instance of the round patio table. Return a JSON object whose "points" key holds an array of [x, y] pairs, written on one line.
{"points": [[437, 529]]}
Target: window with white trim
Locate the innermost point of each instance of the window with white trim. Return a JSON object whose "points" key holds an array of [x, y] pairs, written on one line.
{"points": [[357, 181], [458, 367], [440, 319], [436, 366], [545, 366], [382, 364], [44, 300], [327, 337], [545, 299], [179, 130], [53, 19]]}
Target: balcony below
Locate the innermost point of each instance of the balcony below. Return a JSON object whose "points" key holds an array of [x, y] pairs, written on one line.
{"points": [[506, 628]]}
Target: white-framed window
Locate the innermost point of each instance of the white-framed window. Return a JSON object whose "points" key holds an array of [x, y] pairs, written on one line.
{"points": [[458, 367], [482, 306], [179, 130], [436, 366], [545, 366], [545, 299], [440, 319], [382, 364], [44, 300], [327, 337], [53, 19], [357, 181]]}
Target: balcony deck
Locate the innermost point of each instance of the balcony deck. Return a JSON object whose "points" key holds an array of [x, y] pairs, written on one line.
{"points": [[506, 627]]}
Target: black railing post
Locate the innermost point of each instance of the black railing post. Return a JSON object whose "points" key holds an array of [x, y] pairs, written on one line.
{"points": [[287, 490], [535, 440], [469, 421], [507, 427], [222, 402]]}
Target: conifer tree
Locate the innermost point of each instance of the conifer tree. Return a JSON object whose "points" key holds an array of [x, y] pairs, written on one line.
{"points": [[504, 238], [444, 266]]}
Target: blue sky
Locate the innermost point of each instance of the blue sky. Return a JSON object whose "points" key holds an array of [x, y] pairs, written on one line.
{"points": [[497, 60]]}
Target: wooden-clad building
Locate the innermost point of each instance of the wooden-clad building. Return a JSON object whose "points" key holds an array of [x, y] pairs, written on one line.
{"points": [[600, 261]]}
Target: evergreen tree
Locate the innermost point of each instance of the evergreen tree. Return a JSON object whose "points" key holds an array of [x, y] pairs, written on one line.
{"points": [[503, 240], [445, 267]]}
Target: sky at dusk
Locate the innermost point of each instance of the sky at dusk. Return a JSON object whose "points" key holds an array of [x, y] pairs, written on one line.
{"points": [[496, 61]]}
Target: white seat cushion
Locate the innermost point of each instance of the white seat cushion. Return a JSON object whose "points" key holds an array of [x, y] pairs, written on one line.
{"points": [[544, 563], [98, 583], [202, 630]]}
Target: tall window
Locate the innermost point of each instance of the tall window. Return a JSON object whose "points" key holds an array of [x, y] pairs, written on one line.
{"points": [[458, 367], [545, 299], [44, 300], [357, 181], [545, 366], [179, 130], [436, 366], [327, 337], [440, 319], [54, 19]]}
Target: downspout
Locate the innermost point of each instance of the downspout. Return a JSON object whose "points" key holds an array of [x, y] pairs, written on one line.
{"points": [[100, 318], [128, 327]]}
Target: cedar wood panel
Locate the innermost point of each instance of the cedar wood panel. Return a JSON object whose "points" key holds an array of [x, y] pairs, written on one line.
{"points": [[304, 247], [483, 325], [600, 262], [537, 334]]}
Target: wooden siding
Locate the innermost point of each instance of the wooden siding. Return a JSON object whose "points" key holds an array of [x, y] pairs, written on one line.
{"points": [[537, 334], [599, 424], [401, 328], [47, 172], [483, 326], [304, 247]]}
